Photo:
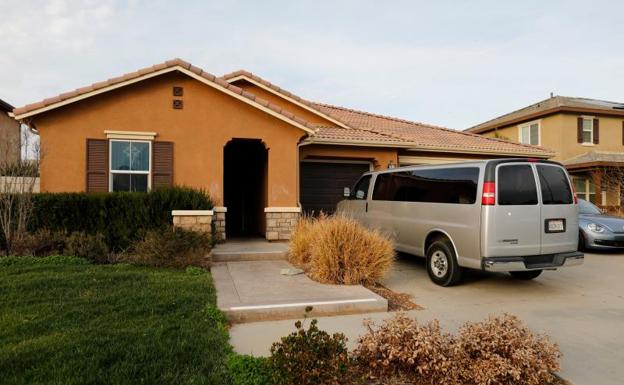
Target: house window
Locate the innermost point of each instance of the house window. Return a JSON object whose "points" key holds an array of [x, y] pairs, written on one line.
{"points": [[585, 189], [130, 165], [588, 130], [530, 133]]}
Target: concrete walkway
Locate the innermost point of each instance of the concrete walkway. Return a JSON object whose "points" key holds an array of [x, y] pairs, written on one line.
{"points": [[581, 308], [255, 290]]}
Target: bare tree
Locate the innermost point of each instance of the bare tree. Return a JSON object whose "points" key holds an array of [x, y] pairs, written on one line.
{"points": [[19, 180], [611, 180]]}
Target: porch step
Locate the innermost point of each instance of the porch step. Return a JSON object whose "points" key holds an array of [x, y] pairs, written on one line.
{"points": [[236, 256], [249, 250]]}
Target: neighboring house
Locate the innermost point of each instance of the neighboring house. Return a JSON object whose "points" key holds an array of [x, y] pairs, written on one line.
{"points": [[10, 151], [587, 136], [259, 150]]}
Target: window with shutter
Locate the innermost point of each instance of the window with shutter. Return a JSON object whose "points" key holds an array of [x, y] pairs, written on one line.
{"points": [[130, 165], [588, 130], [97, 165]]}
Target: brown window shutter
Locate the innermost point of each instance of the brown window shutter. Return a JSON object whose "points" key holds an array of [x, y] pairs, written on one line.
{"points": [[162, 164], [97, 165], [579, 130], [596, 131]]}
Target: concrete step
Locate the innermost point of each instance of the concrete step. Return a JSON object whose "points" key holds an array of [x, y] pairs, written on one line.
{"points": [[256, 291], [237, 256]]}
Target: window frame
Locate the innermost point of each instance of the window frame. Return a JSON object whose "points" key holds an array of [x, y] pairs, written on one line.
{"points": [[590, 130], [499, 189], [112, 172], [528, 125]]}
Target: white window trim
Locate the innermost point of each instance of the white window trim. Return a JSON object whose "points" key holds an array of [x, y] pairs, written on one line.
{"points": [[110, 165], [529, 124], [586, 192], [591, 142]]}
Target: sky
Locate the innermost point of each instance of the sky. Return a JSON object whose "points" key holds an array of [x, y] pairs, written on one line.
{"points": [[449, 63]]}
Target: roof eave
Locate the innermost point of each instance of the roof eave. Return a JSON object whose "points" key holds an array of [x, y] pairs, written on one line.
{"points": [[481, 129], [146, 76]]}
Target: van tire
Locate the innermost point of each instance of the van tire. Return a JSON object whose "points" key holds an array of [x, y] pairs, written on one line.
{"points": [[448, 272], [525, 275]]}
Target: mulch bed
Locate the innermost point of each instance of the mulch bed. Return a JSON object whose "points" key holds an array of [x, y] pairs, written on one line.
{"points": [[396, 301]]}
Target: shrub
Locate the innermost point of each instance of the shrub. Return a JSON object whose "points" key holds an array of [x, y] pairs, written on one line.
{"points": [[248, 370], [171, 247], [121, 218], [502, 350], [341, 251], [401, 347], [309, 357], [301, 241], [89, 246], [50, 260], [40, 243]]}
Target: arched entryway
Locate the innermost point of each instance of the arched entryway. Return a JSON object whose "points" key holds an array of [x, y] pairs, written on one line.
{"points": [[245, 187]]}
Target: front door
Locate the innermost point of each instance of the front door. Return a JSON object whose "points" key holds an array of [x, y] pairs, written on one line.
{"points": [[244, 187]]}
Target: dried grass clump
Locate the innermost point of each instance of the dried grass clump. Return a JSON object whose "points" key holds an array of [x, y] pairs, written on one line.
{"points": [[502, 350], [403, 348], [300, 241], [338, 250]]}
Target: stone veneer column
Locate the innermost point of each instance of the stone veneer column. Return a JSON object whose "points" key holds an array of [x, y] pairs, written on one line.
{"points": [[280, 222], [195, 220], [219, 220]]}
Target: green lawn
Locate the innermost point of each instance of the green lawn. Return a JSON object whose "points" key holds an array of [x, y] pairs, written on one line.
{"points": [[93, 324]]}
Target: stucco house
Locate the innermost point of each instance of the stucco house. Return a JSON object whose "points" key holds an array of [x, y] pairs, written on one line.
{"points": [[10, 150], [259, 150], [587, 136]]}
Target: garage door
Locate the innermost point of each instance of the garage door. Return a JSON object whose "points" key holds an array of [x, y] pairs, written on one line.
{"points": [[322, 184]]}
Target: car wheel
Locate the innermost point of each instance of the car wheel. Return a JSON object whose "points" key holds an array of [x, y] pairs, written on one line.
{"points": [[442, 264], [525, 275], [581, 241]]}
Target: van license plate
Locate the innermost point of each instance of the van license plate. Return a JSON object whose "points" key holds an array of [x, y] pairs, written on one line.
{"points": [[555, 225]]}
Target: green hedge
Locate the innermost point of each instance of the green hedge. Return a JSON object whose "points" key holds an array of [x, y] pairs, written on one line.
{"points": [[121, 217]]}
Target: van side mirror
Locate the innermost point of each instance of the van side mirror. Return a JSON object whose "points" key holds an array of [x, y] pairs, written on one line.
{"points": [[346, 192]]}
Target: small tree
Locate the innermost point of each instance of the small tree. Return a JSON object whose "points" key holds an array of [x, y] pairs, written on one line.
{"points": [[611, 180], [18, 181]]}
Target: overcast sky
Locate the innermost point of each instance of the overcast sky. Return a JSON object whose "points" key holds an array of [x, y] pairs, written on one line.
{"points": [[454, 64]]}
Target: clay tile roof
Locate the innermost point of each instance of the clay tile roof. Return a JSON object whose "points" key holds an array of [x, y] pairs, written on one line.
{"points": [[595, 158], [546, 106], [423, 136]]}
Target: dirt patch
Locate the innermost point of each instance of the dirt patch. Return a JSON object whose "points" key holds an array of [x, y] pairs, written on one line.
{"points": [[396, 301]]}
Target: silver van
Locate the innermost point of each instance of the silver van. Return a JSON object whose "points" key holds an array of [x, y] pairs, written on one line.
{"points": [[511, 215]]}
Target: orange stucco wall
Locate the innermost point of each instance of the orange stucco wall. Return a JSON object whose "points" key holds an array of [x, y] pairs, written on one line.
{"points": [[199, 131], [379, 156]]}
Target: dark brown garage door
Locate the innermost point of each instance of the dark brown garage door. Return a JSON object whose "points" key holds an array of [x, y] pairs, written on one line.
{"points": [[322, 184]]}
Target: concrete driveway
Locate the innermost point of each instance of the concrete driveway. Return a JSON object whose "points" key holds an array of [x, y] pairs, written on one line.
{"points": [[581, 308]]}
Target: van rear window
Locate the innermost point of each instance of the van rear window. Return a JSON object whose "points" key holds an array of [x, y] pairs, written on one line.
{"points": [[554, 185], [441, 185], [516, 185]]}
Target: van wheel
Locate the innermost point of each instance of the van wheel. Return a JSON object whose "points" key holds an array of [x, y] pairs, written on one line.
{"points": [[525, 275], [442, 264]]}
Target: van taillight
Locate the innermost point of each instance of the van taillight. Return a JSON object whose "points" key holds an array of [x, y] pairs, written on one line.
{"points": [[489, 194]]}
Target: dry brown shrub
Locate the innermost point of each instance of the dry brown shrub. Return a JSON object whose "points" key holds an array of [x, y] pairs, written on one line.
{"points": [[300, 241], [402, 348], [502, 350], [342, 251]]}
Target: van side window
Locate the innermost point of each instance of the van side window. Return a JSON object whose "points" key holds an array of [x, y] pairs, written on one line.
{"points": [[442, 185], [360, 191], [554, 185], [516, 185]]}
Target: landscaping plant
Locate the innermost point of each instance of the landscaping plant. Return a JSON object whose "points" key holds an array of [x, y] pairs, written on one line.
{"points": [[248, 370], [170, 247], [307, 357], [502, 350], [339, 250], [402, 348]]}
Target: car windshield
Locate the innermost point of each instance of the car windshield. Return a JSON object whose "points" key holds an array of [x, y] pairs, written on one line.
{"points": [[587, 208]]}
